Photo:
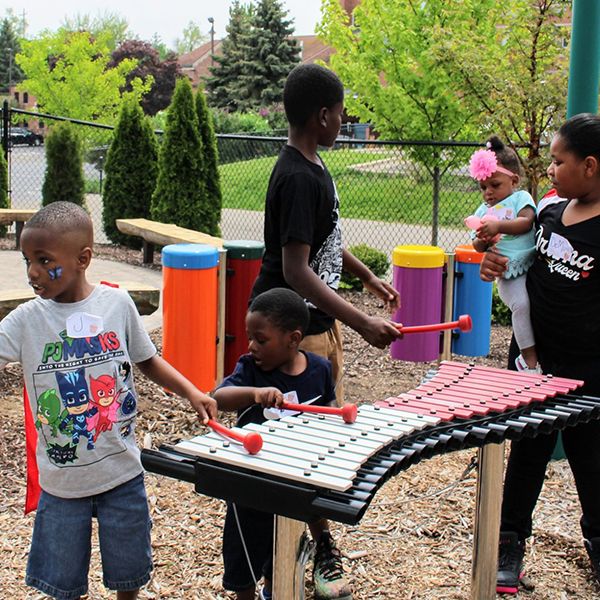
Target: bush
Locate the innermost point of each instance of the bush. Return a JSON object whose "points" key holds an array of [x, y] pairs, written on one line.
{"points": [[131, 169], [376, 260], [211, 162], [500, 312], [3, 187], [64, 167], [238, 122], [180, 196]]}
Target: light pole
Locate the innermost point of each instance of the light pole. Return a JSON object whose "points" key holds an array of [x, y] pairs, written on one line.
{"points": [[10, 61], [212, 40]]}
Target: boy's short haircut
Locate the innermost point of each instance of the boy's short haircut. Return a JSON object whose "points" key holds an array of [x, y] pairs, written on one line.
{"points": [[62, 217], [284, 308], [308, 88]]}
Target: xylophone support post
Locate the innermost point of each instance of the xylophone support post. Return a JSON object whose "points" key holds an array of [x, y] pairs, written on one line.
{"points": [[287, 583], [486, 527]]}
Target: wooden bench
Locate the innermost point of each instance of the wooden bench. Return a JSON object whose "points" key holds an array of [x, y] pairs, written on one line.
{"points": [[145, 297], [8, 216], [162, 234]]}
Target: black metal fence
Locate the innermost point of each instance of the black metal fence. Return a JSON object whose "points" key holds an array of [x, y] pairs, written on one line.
{"points": [[403, 192]]}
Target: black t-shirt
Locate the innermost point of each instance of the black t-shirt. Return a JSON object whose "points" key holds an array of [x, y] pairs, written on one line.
{"points": [[301, 205], [565, 292], [316, 380]]}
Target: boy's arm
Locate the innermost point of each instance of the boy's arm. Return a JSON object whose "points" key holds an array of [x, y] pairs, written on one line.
{"points": [[375, 330], [233, 397], [373, 284], [162, 373]]}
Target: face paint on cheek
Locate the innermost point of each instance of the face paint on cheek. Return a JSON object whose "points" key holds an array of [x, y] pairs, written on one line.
{"points": [[55, 273]]}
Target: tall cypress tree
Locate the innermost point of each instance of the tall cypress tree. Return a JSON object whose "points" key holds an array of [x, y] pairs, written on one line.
{"points": [[180, 195], [10, 72], [271, 54], [211, 160], [131, 169], [63, 179], [3, 187], [223, 86]]}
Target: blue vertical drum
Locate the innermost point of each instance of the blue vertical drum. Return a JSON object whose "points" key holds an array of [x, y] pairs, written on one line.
{"points": [[472, 296]]}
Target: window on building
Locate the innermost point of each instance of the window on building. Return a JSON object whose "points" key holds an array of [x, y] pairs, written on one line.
{"points": [[25, 97], [17, 96]]}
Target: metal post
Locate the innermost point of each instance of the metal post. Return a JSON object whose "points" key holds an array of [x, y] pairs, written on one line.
{"points": [[212, 40], [584, 67], [5, 126]]}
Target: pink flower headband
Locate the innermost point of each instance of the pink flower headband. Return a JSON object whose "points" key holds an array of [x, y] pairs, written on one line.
{"points": [[484, 164]]}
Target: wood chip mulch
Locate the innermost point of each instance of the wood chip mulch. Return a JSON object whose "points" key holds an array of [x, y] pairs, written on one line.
{"points": [[415, 541]]}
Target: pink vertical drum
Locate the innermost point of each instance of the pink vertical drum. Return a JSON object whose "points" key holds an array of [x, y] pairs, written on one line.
{"points": [[417, 275]]}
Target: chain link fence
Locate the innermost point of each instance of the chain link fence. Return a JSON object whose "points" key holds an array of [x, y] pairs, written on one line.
{"points": [[390, 193]]}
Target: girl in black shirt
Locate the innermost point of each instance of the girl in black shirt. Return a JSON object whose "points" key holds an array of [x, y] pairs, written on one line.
{"points": [[564, 290]]}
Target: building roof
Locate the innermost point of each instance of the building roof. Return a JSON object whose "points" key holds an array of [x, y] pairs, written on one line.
{"points": [[195, 64]]}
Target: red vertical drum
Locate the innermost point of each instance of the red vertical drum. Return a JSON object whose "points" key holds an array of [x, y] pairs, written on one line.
{"points": [[244, 258], [190, 295]]}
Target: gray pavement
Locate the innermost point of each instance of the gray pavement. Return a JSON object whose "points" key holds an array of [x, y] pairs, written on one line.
{"points": [[12, 277]]}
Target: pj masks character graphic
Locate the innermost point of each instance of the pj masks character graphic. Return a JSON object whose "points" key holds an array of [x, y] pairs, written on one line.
{"points": [[75, 395], [49, 412], [104, 400]]}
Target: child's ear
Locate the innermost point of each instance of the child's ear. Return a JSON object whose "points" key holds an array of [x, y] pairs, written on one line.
{"points": [[516, 179], [323, 116], [85, 258], [295, 338], [591, 166]]}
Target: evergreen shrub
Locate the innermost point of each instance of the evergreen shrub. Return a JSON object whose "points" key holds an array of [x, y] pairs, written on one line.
{"points": [[131, 170], [63, 179]]}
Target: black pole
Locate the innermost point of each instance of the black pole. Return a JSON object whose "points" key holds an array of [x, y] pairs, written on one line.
{"points": [[5, 124]]}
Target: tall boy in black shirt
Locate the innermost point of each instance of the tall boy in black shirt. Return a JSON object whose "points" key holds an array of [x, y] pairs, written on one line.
{"points": [[303, 241]]}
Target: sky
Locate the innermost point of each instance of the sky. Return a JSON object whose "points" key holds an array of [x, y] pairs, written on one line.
{"points": [[147, 17]]}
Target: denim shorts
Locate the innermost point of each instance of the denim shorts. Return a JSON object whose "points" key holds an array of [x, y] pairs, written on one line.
{"points": [[59, 558]]}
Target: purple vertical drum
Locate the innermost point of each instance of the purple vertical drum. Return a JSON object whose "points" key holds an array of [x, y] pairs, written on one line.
{"points": [[418, 278]]}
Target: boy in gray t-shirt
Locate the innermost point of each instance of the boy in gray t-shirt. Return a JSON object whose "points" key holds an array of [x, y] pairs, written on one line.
{"points": [[76, 343]]}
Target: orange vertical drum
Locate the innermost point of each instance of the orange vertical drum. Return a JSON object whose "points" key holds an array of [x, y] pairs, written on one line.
{"points": [[190, 295]]}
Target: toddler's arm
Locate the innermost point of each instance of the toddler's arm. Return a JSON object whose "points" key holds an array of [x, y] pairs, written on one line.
{"points": [[517, 226], [161, 372], [232, 397]]}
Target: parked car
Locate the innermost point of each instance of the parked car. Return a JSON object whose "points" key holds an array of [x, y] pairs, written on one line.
{"points": [[22, 135]]}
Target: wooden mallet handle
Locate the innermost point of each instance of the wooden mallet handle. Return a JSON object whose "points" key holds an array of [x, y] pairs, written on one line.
{"points": [[252, 442], [464, 323], [348, 412]]}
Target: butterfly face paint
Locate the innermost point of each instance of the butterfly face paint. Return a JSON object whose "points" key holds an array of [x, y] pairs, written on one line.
{"points": [[55, 273]]}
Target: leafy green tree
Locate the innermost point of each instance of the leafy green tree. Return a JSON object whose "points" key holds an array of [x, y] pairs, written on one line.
{"points": [[224, 87], [387, 60], [63, 179], [150, 67], [191, 38], [513, 70], [131, 169], [3, 188], [10, 46], [271, 53], [180, 196], [112, 26], [68, 74], [211, 162]]}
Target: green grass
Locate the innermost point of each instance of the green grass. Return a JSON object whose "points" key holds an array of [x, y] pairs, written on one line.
{"points": [[372, 196]]}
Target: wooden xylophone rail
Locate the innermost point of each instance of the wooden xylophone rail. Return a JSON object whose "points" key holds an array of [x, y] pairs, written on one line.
{"points": [[304, 502]]}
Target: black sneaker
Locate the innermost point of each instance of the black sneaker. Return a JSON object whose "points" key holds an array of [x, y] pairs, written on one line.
{"points": [[593, 549], [510, 563], [328, 573]]}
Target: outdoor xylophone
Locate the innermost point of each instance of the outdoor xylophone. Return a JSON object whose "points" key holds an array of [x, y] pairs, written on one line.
{"points": [[321, 466]]}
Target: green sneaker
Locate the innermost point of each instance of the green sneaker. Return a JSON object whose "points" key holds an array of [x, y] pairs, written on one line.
{"points": [[328, 573]]}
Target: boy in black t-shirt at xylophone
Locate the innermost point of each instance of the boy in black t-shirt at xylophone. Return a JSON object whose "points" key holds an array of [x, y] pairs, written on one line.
{"points": [[275, 323]]}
